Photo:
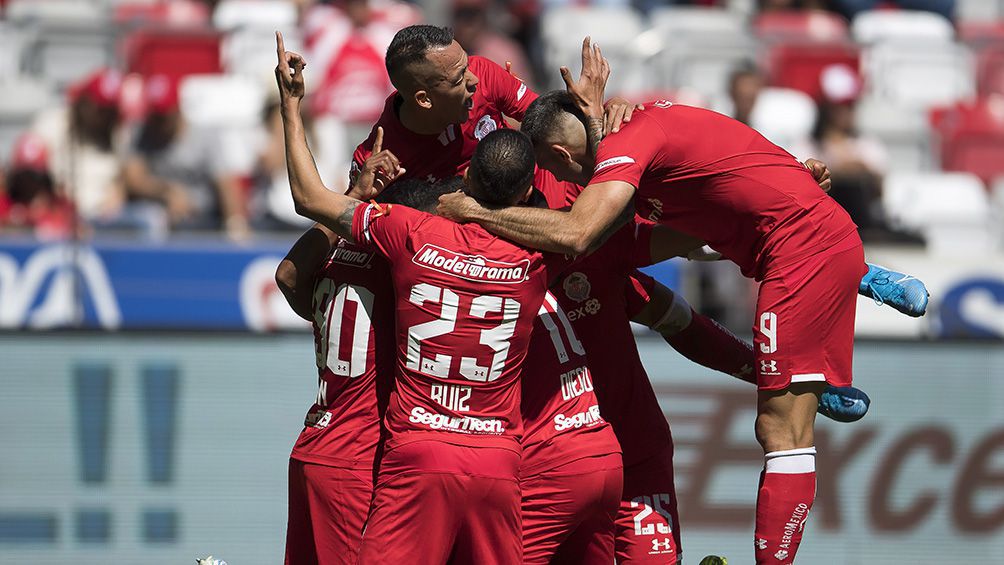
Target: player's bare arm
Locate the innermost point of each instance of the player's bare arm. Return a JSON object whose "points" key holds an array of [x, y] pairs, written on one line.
{"points": [[598, 211], [295, 274], [311, 198]]}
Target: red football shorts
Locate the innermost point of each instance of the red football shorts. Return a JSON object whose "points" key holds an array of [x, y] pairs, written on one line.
{"points": [[648, 522], [327, 510], [569, 512], [804, 325], [437, 502]]}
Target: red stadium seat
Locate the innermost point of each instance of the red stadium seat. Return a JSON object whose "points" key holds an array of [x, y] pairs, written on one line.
{"points": [[972, 137], [798, 65], [175, 52], [178, 12], [801, 26], [991, 71]]}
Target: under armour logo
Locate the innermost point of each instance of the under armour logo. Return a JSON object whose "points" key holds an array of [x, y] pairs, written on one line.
{"points": [[665, 545], [761, 544], [781, 554], [768, 367]]}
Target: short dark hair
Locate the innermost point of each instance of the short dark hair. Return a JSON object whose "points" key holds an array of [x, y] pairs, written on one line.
{"points": [[416, 193], [410, 46], [544, 115], [502, 166]]}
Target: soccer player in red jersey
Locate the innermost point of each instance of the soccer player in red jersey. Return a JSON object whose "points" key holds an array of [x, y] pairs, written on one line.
{"points": [[571, 470], [716, 179], [466, 301]]}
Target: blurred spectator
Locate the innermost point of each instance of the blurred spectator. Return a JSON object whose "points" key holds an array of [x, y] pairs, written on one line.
{"points": [[472, 30], [346, 42], [181, 167], [858, 163], [786, 5], [80, 140], [29, 201], [745, 84], [271, 203], [851, 8]]}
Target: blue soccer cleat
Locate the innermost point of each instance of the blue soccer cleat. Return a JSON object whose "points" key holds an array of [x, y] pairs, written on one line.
{"points": [[843, 403], [905, 293]]}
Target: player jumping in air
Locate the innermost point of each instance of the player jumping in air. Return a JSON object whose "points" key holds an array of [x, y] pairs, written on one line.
{"points": [[709, 176]]}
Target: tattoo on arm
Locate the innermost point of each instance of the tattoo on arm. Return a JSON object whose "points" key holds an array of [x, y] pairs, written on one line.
{"points": [[345, 218], [594, 131]]}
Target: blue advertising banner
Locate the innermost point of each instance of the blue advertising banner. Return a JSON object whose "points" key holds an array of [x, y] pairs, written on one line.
{"points": [[180, 286]]}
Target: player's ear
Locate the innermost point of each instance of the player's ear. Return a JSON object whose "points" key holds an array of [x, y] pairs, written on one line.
{"points": [[423, 100], [563, 154], [526, 195], [466, 175]]}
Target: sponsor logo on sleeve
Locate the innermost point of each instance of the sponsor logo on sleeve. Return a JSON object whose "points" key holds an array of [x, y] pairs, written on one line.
{"points": [[622, 160], [471, 267], [521, 92]]}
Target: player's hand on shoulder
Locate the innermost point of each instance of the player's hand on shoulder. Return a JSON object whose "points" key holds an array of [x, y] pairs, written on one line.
{"points": [[820, 172], [289, 71], [588, 90], [380, 169], [618, 111], [457, 206]]}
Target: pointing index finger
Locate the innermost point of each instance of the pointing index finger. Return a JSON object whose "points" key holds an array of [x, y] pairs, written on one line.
{"points": [[378, 142], [280, 49]]}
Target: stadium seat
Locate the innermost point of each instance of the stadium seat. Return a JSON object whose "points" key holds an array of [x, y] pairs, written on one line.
{"points": [[800, 26], [704, 66], [798, 65], [251, 51], [176, 12], [673, 21], [63, 50], [972, 137], [614, 28], [919, 73], [875, 26], [991, 70], [175, 52], [977, 10], [262, 14], [904, 130], [784, 116], [951, 209], [14, 39], [76, 11], [231, 105], [997, 211], [21, 98]]}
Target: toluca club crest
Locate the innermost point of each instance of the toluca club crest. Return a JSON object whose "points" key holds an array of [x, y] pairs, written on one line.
{"points": [[577, 286], [485, 126]]}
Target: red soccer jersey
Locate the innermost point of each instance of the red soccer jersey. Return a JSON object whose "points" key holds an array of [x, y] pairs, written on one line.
{"points": [[354, 341], [561, 416], [466, 302], [713, 177], [594, 294], [447, 154]]}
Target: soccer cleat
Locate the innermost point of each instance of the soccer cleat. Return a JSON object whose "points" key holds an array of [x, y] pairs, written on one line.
{"points": [[843, 404], [714, 560], [905, 293]]}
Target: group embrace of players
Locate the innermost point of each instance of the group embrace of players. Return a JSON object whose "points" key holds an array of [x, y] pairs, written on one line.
{"points": [[481, 397]]}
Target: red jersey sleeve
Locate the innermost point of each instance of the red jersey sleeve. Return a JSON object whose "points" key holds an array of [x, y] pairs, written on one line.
{"points": [[638, 292], [510, 94], [624, 156], [385, 228]]}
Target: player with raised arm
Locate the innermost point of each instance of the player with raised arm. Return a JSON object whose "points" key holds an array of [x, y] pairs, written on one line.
{"points": [[718, 180], [466, 301]]}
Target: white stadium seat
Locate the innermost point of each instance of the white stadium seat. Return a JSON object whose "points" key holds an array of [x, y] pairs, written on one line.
{"points": [[997, 211], [978, 10], [951, 209], [918, 73], [21, 98], [904, 130], [784, 116], [229, 104], [78, 11], [614, 28], [262, 14], [672, 21], [251, 51], [874, 26]]}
